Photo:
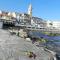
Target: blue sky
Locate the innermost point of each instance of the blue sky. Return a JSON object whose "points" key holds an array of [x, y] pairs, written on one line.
{"points": [[46, 9]]}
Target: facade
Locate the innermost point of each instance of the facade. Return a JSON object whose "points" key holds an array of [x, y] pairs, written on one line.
{"points": [[22, 18], [26, 19], [53, 24], [56, 24], [39, 21], [49, 24]]}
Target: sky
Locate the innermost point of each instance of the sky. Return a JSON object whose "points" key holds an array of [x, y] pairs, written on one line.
{"points": [[45, 9]]}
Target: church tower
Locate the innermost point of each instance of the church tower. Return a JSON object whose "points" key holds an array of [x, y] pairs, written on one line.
{"points": [[30, 10]]}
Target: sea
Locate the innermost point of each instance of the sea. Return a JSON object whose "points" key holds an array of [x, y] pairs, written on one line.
{"points": [[52, 44]]}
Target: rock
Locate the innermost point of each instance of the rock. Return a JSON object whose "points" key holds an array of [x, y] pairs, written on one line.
{"points": [[13, 47], [22, 33], [28, 39]]}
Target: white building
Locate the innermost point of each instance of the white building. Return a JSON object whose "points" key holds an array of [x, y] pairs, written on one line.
{"points": [[56, 24], [49, 23], [53, 24]]}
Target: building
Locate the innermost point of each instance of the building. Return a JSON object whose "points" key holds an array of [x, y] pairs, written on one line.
{"points": [[56, 24], [49, 23], [39, 21], [22, 19]]}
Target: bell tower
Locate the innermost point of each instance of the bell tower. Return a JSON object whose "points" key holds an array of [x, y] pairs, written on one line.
{"points": [[30, 10]]}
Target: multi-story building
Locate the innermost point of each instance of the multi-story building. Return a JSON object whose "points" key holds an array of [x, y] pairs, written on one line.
{"points": [[53, 24], [39, 22], [22, 18], [56, 24]]}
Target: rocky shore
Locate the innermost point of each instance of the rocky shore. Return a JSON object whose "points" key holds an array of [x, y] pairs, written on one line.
{"points": [[13, 47]]}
